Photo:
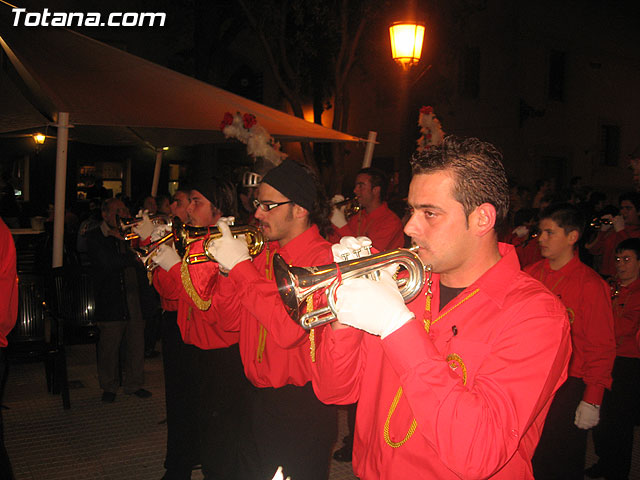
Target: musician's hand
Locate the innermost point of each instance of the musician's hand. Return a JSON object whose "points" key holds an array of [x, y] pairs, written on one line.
{"points": [[587, 415], [376, 307], [279, 475], [160, 231], [166, 257], [338, 218], [144, 228], [350, 248], [604, 227], [618, 223], [227, 250]]}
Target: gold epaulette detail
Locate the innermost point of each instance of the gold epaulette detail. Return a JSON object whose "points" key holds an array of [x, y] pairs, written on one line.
{"points": [[412, 428], [262, 342], [201, 303], [312, 332]]}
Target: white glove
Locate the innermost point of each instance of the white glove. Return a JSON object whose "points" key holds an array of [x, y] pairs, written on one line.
{"points": [[373, 306], [227, 250], [350, 248], [160, 231], [521, 231], [606, 227], [587, 415], [166, 257], [145, 228], [337, 214], [618, 223], [279, 475]]}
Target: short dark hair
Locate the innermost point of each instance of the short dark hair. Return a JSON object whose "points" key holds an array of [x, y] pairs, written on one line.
{"points": [[633, 197], [378, 179], [566, 215], [629, 244], [477, 169], [220, 192]]}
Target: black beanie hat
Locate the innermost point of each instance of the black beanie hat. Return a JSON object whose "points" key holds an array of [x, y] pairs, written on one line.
{"points": [[295, 182]]}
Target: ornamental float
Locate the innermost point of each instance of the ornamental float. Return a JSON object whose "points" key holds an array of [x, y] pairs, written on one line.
{"points": [[245, 128]]}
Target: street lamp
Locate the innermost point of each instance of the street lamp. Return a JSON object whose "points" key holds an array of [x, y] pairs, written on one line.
{"points": [[406, 42], [39, 138]]}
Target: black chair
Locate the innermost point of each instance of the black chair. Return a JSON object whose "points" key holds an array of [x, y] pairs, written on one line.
{"points": [[38, 336], [71, 298]]}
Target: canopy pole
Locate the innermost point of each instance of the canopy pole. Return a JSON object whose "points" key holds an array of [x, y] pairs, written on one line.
{"points": [[61, 179], [368, 152], [156, 173], [26, 178]]}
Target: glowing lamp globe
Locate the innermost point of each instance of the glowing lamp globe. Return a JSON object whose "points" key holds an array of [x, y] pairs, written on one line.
{"points": [[406, 42], [39, 138]]}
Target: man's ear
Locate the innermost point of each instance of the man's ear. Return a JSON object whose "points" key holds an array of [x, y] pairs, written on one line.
{"points": [[299, 212], [573, 236], [483, 219]]}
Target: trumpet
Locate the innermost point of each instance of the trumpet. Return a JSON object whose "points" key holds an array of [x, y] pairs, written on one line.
{"points": [[598, 222], [125, 225], [185, 235], [145, 253], [295, 284], [351, 204]]}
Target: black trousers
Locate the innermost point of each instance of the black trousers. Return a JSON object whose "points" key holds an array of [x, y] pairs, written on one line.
{"points": [[613, 437], [561, 452], [220, 402], [178, 358], [5, 465], [287, 427]]}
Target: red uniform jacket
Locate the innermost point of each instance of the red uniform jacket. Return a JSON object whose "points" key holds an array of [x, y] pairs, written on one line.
{"points": [[8, 284], [382, 226], [275, 350], [198, 327], [588, 301], [626, 317], [606, 244], [479, 392]]}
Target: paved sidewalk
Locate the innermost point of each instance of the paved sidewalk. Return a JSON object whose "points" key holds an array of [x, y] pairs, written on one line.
{"points": [[96, 441]]}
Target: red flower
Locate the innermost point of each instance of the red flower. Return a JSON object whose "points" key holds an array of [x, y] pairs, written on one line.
{"points": [[227, 120], [426, 110], [249, 120]]}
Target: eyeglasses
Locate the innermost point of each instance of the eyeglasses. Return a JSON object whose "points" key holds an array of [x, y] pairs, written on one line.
{"points": [[265, 207]]}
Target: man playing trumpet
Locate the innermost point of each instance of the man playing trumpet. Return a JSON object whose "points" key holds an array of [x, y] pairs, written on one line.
{"points": [[457, 383], [374, 219], [286, 424], [212, 370]]}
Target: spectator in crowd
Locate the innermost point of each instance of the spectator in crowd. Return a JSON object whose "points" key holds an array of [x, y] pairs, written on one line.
{"points": [[9, 210], [117, 305]]}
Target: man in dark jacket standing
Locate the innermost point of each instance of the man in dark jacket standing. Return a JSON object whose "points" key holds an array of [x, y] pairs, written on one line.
{"points": [[117, 305]]}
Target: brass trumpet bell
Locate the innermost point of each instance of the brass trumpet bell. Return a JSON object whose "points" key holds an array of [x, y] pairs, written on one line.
{"points": [[295, 284], [598, 222], [184, 235], [352, 206], [125, 225]]}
